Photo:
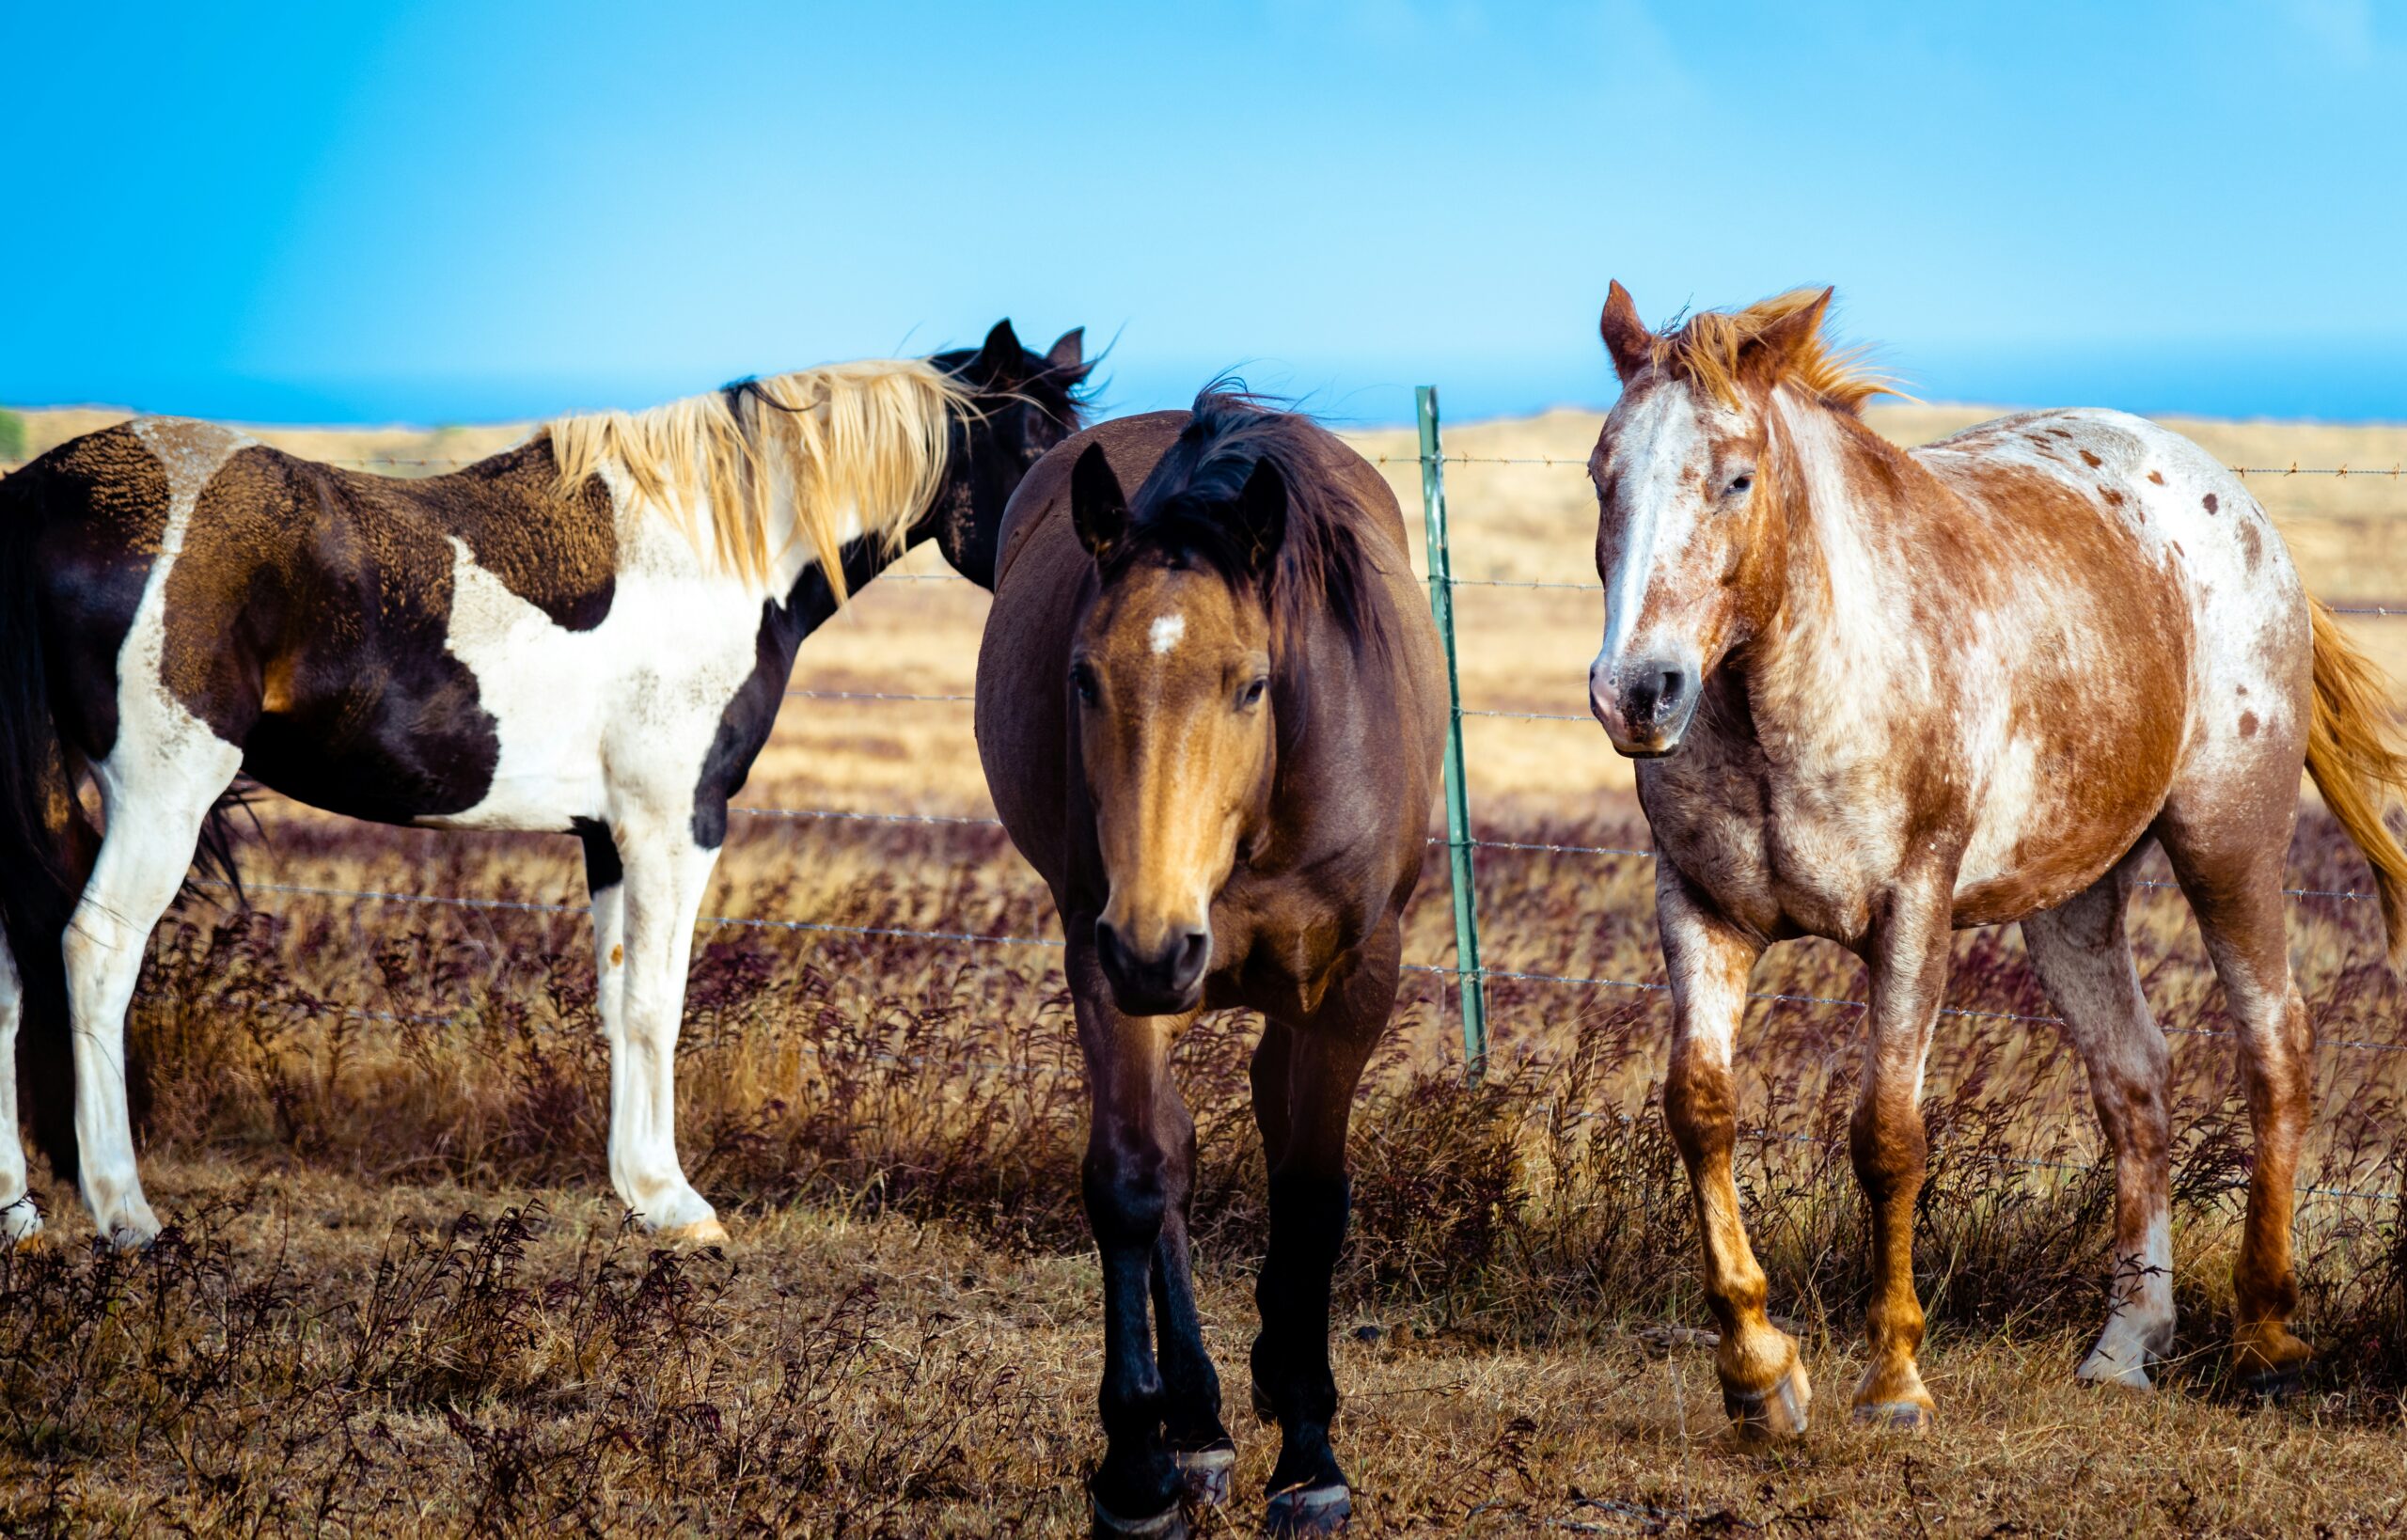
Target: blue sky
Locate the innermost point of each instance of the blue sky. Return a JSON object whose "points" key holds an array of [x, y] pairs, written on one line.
{"points": [[449, 211]]}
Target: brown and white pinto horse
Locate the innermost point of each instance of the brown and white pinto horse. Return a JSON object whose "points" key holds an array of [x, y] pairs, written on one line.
{"points": [[591, 633], [1879, 694], [1210, 716]]}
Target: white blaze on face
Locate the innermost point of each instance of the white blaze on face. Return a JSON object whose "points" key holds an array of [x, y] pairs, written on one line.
{"points": [[1166, 633], [1658, 457]]}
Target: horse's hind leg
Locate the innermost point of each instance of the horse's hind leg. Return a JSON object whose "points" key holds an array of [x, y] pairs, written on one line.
{"points": [[156, 802], [2084, 958], [19, 1223], [2229, 866]]}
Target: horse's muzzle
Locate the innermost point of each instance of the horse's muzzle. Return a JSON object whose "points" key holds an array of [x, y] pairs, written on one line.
{"points": [[1645, 705], [1163, 979]]}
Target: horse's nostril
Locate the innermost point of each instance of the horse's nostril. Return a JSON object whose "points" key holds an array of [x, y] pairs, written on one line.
{"points": [[1668, 695], [1194, 951]]}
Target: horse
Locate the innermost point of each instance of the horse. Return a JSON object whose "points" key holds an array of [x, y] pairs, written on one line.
{"points": [[589, 633], [1876, 695], [1210, 716]]}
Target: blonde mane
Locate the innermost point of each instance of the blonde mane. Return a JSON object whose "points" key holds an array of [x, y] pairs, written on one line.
{"points": [[859, 448], [1708, 347]]}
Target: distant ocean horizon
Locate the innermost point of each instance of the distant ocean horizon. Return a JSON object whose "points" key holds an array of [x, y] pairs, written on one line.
{"points": [[2350, 383]]}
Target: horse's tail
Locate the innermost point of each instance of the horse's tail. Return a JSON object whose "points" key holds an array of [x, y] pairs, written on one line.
{"points": [[44, 837], [2353, 756]]}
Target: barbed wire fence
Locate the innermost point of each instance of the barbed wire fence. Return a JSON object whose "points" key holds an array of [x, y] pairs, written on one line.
{"points": [[1464, 972]]}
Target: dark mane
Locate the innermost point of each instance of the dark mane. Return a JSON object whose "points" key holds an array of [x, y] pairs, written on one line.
{"points": [[1181, 511]]}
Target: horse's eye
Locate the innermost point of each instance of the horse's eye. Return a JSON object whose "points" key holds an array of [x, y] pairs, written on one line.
{"points": [[1740, 485], [1083, 680], [1251, 696]]}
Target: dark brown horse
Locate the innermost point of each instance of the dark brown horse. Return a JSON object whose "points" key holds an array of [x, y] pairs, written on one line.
{"points": [[1210, 716]]}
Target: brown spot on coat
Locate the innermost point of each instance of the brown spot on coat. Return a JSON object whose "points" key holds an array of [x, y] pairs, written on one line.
{"points": [[2114, 498], [2090, 459], [618, 955], [2252, 545], [310, 626], [2157, 476], [2211, 505], [2248, 724]]}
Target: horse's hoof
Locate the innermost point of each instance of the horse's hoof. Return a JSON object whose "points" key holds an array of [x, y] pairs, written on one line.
{"points": [[1169, 1524], [2100, 1369], [1205, 1472], [700, 1232], [1262, 1406], [2278, 1383], [131, 1237], [1781, 1412], [1309, 1510], [21, 1225], [1897, 1416]]}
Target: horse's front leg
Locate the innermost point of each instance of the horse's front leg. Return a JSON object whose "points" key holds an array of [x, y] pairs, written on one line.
{"points": [[1907, 959], [1132, 1180], [1199, 1440], [1763, 1385], [643, 931], [1311, 1197]]}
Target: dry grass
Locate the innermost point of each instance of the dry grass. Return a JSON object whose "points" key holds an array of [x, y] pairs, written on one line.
{"points": [[902, 1338], [398, 1296]]}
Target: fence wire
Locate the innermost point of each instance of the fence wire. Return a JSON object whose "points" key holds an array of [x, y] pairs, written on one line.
{"points": [[2385, 610]]}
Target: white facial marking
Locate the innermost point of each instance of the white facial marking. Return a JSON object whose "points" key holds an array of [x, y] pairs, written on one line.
{"points": [[1657, 453], [1166, 632]]}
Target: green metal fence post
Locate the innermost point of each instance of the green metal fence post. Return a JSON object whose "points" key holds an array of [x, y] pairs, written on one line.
{"points": [[1458, 841]]}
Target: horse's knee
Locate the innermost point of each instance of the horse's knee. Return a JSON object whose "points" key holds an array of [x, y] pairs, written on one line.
{"points": [[1700, 1108], [1127, 1189], [1888, 1148]]}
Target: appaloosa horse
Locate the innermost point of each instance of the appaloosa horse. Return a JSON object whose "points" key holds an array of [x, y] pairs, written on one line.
{"points": [[1210, 717], [1879, 694], [589, 633]]}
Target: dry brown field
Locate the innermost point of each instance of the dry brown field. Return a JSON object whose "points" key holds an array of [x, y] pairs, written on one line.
{"points": [[398, 1296]]}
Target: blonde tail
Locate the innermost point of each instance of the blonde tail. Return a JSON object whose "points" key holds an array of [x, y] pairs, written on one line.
{"points": [[2353, 757]]}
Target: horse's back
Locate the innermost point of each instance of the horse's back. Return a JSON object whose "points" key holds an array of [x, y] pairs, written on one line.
{"points": [[2185, 518], [2166, 631]]}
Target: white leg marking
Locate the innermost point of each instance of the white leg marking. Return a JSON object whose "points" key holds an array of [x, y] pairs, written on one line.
{"points": [[661, 896], [2082, 953], [154, 818], [19, 1222]]}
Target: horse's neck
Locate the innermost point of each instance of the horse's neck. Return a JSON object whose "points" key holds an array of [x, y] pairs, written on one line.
{"points": [[1841, 625]]}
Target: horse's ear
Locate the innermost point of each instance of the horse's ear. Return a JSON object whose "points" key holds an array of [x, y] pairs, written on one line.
{"points": [[1068, 353], [1002, 354], [1262, 513], [1771, 351], [1099, 512], [1627, 338]]}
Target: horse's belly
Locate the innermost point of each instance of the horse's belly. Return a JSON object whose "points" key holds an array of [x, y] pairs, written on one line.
{"points": [[592, 723], [2049, 819]]}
